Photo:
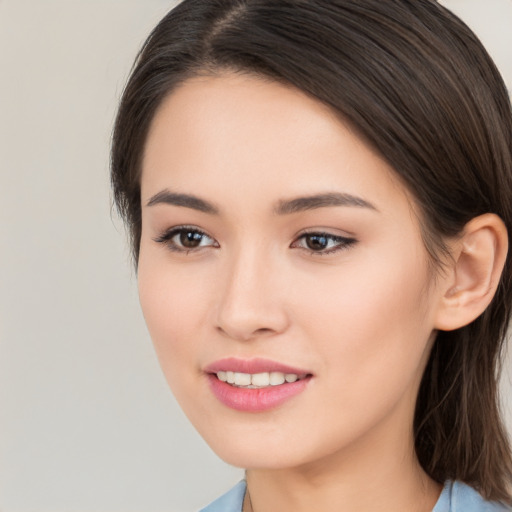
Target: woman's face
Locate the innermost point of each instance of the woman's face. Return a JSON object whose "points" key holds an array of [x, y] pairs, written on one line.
{"points": [[277, 246]]}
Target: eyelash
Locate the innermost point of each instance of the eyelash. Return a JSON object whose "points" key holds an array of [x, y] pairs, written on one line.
{"points": [[167, 238], [341, 242]]}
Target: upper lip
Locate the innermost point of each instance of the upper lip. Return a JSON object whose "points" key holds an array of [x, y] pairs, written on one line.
{"points": [[256, 365]]}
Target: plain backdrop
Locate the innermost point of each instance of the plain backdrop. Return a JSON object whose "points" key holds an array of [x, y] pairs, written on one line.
{"points": [[86, 420]]}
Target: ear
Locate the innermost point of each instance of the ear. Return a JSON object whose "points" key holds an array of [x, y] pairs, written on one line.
{"points": [[474, 273]]}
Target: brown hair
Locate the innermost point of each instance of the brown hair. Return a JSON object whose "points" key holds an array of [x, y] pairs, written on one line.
{"points": [[417, 84]]}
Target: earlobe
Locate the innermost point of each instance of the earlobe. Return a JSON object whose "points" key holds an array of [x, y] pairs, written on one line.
{"points": [[475, 272]]}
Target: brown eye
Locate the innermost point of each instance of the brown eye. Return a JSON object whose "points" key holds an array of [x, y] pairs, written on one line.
{"points": [[191, 239], [316, 242], [184, 239], [323, 243]]}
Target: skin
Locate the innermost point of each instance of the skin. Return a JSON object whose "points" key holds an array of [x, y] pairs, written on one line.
{"points": [[361, 320]]}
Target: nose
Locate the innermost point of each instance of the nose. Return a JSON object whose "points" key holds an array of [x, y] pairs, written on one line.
{"points": [[251, 303]]}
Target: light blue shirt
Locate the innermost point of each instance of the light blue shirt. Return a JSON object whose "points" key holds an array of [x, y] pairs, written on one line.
{"points": [[455, 497]]}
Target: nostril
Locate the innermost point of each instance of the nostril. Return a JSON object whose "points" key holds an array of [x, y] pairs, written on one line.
{"points": [[240, 333], [263, 330]]}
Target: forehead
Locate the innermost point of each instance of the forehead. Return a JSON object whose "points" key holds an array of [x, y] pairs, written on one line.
{"points": [[256, 137]]}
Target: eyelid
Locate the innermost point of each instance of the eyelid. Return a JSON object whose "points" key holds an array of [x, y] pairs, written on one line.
{"points": [[343, 242], [167, 236]]}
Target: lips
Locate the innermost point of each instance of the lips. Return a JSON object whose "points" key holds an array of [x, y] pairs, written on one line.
{"points": [[255, 385], [252, 366]]}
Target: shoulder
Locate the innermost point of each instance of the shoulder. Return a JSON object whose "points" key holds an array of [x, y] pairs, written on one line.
{"points": [[230, 502], [459, 497]]}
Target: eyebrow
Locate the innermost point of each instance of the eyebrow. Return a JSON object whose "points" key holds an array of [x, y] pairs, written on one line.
{"points": [[186, 200], [283, 207], [313, 202]]}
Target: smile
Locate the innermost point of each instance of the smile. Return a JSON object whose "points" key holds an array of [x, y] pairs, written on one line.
{"points": [[255, 385], [257, 380]]}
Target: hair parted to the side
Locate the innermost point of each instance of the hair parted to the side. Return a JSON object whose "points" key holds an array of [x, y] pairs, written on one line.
{"points": [[417, 84]]}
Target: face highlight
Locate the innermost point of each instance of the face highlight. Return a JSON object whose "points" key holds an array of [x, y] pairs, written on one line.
{"points": [[282, 275]]}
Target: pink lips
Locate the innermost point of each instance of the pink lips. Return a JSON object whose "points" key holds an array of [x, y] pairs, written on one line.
{"points": [[254, 400]]}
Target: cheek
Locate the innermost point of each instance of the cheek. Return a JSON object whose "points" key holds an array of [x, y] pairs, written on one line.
{"points": [[371, 323], [175, 308]]}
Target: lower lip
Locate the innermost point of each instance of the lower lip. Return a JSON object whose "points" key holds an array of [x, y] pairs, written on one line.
{"points": [[255, 400]]}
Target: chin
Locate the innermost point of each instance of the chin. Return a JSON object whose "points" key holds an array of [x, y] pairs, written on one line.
{"points": [[260, 449], [255, 459]]}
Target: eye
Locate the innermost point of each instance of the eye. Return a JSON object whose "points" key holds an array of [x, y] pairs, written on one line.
{"points": [[186, 239], [323, 243]]}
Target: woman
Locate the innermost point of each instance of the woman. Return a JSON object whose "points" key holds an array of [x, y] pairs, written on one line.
{"points": [[318, 196]]}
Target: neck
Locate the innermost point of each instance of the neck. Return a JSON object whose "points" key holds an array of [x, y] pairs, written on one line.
{"points": [[373, 475]]}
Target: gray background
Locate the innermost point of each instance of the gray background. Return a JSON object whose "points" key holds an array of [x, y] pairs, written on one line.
{"points": [[86, 420]]}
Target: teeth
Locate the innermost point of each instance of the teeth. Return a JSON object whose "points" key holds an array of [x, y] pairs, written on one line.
{"points": [[242, 379], [256, 380], [260, 379], [276, 378]]}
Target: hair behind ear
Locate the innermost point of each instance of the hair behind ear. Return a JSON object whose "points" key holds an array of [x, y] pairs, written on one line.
{"points": [[458, 429]]}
